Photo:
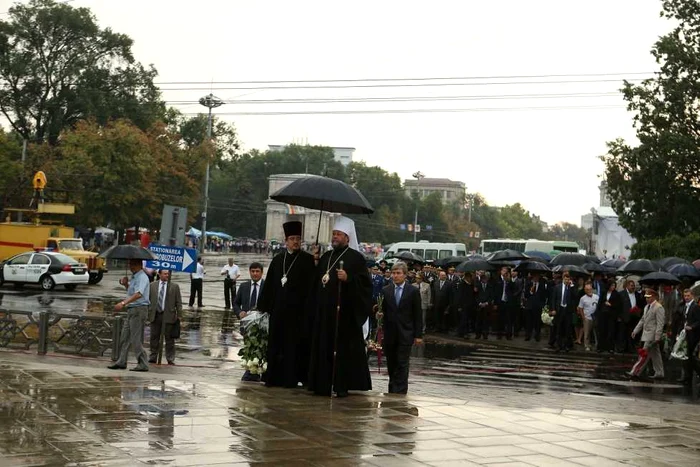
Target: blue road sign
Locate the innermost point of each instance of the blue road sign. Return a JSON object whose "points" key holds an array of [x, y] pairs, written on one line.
{"points": [[173, 258]]}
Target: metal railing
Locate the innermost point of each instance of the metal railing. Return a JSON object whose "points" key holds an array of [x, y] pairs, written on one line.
{"points": [[61, 332]]}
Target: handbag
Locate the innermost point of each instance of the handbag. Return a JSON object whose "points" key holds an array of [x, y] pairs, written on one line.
{"points": [[175, 330]]}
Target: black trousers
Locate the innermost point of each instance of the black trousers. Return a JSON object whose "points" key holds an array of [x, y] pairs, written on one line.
{"points": [[229, 291], [481, 321], [506, 319], [564, 339], [466, 318], [533, 322], [156, 328], [196, 289], [606, 330], [689, 365], [397, 357], [443, 318]]}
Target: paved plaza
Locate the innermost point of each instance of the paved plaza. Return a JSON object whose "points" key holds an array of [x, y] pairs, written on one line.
{"points": [[59, 411]]}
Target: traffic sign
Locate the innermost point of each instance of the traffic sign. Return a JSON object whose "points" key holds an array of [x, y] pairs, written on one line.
{"points": [[173, 258]]}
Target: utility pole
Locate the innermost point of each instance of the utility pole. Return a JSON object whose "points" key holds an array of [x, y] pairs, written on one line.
{"points": [[24, 157], [418, 175], [209, 101]]}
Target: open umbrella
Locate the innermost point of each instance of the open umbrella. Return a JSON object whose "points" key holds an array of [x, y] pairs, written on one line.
{"points": [[593, 259], [323, 194], [572, 270], [569, 259], [507, 255], [408, 256], [474, 265], [658, 278], [594, 267], [637, 266], [613, 263], [128, 252], [451, 261], [685, 271], [532, 266], [539, 254], [666, 263]]}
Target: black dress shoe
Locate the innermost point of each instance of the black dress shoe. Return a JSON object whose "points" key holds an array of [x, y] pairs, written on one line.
{"points": [[170, 362], [116, 367], [537, 339], [152, 360], [342, 394], [140, 369]]}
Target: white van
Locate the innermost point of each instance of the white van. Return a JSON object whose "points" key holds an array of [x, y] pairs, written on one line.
{"points": [[428, 251]]}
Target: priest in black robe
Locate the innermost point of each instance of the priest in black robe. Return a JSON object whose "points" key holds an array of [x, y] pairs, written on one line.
{"points": [[343, 266], [287, 287]]}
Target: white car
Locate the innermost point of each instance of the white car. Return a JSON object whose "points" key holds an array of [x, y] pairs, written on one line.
{"points": [[48, 269]]}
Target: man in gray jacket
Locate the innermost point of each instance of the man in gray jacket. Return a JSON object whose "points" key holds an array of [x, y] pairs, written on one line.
{"points": [[651, 326]]}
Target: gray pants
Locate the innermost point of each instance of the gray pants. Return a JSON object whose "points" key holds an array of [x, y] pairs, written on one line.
{"points": [[654, 356], [132, 336]]}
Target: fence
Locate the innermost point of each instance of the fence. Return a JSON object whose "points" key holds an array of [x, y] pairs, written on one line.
{"points": [[61, 332]]}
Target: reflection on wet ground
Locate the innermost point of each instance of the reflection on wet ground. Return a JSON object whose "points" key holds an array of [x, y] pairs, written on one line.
{"points": [[58, 415]]}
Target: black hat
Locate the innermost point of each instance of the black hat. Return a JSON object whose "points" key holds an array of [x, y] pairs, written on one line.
{"points": [[292, 228]]}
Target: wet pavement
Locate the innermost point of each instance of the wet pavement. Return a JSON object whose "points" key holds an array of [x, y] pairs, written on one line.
{"points": [[469, 403], [59, 412]]}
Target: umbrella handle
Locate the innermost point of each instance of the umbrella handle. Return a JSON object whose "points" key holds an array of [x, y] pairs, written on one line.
{"points": [[320, 216]]}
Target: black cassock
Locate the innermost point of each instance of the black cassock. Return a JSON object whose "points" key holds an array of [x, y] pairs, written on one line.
{"points": [[352, 372], [289, 339]]}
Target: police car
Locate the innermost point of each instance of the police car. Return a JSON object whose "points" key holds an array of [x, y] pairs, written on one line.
{"points": [[48, 269]]}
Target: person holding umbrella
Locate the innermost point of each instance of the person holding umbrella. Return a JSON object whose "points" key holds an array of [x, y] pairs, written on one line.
{"points": [[136, 304], [651, 326], [535, 300], [341, 303]]}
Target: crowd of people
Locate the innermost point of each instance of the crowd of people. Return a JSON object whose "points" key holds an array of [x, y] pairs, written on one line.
{"points": [[597, 313]]}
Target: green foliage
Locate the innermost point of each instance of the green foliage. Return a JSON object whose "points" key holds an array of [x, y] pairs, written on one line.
{"points": [[57, 67], [687, 247], [654, 186], [254, 344]]}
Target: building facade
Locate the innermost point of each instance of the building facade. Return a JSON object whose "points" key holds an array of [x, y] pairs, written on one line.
{"points": [[279, 213], [607, 237], [449, 190], [342, 155]]}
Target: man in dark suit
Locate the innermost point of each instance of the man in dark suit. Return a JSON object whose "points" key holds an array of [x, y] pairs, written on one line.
{"points": [[565, 302], [689, 312], [632, 307], [464, 304], [442, 297], [247, 300], [403, 326], [503, 303], [535, 300], [484, 301], [166, 306]]}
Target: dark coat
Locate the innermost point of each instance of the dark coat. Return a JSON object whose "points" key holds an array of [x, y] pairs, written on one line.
{"points": [[402, 323], [242, 300]]}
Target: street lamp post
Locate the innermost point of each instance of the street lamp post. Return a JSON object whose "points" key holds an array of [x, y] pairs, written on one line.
{"points": [[418, 175], [209, 101]]}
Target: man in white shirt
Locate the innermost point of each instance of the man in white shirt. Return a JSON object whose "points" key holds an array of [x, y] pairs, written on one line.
{"points": [[231, 274], [196, 279], [586, 309]]}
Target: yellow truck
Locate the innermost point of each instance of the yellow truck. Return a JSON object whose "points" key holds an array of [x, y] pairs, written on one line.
{"points": [[16, 238], [19, 237]]}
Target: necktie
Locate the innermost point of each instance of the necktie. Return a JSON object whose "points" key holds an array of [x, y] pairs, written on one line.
{"points": [[504, 298], [566, 296], [399, 290], [254, 296], [161, 297]]}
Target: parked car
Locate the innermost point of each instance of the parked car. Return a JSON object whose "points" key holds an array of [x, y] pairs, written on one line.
{"points": [[48, 269]]}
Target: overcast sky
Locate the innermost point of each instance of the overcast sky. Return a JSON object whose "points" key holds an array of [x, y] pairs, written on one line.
{"points": [[545, 159]]}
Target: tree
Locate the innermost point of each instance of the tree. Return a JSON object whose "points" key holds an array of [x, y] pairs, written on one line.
{"points": [[57, 66], [654, 186], [568, 232], [194, 133]]}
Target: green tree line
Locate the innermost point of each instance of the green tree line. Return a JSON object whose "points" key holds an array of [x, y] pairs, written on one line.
{"points": [[94, 121]]}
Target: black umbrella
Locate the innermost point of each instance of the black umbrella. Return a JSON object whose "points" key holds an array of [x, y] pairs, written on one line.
{"points": [[408, 256], [638, 267], [128, 252], [594, 267], [658, 278], [685, 271], [569, 259], [532, 266], [324, 194], [451, 261], [475, 265], [539, 254], [613, 264], [508, 255], [593, 259], [572, 270], [666, 263]]}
